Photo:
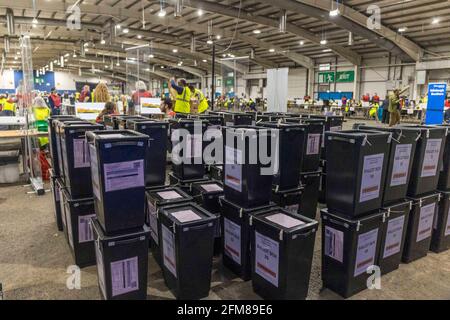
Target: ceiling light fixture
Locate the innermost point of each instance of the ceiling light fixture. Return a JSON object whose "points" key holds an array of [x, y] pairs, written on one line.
{"points": [[323, 42], [257, 31], [151, 56], [302, 42], [334, 13], [126, 30], [403, 29], [271, 50], [139, 36], [175, 50], [162, 13], [435, 21], [200, 12]]}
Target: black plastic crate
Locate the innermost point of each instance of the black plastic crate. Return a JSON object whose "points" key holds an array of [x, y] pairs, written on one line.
{"points": [[236, 234], [420, 227], [79, 235], [428, 159], [126, 122], [444, 175], [118, 178], [156, 158], [310, 195], [214, 121], [55, 185], [76, 160], [185, 185], [187, 233], [156, 200], [403, 147], [188, 162], [267, 117], [313, 142], [440, 240], [289, 199], [332, 124], [394, 235], [356, 170], [238, 119], [291, 138], [60, 159], [53, 140], [349, 247], [113, 122], [207, 194], [122, 263], [282, 254], [245, 181]]}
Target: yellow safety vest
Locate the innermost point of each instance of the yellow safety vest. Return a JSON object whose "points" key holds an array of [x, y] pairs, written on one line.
{"points": [[203, 103], [183, 101], [8, 106]]}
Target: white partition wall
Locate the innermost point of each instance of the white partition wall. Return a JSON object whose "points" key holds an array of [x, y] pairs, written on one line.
{"points": [[277, 89]]}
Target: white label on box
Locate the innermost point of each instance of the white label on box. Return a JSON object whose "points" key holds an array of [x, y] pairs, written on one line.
{"points": [[169, 195], [124, 175], [229, 124], [394, 236], [447, 225], [81, 153], [194, 146], [85, 233], [94, 172], [284, 220], [400, 168], [431, 158], [365, 254], [313, 145], [371, 177], [100, 269], [426, 222], [152, 218], [186, 216], [293, 208], [232, 240], [124, 276], [334, 244], [336, 128], [212, 187], [267, 258], [169, 257], [233, 170]]}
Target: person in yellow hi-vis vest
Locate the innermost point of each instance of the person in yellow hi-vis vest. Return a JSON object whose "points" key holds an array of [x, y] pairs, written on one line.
{"points": [[8, 106], [183, 97], [41, 113], [373, 112], [202, 101]]}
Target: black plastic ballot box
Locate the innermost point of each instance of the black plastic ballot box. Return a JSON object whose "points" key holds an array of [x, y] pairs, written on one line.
{"points": [[440, 240], [187, 234], [53, 141], [282, 254]]}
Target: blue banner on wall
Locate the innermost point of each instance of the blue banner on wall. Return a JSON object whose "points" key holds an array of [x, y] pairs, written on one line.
{"points": [[436, 100], [42, 82]]}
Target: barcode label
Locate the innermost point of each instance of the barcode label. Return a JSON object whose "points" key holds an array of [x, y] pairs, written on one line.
{"points": [[267, 258], [153, 220], [371, 177], [81, 157], [394, 236], [426, 222], [431, 158], [85, 233], [124, 175], [400, 168], [365, 254], [232, 240], [124, 276], [334, 244], [169, 256], [313, 145]]}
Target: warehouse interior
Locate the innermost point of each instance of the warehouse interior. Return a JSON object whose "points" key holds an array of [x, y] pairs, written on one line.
{"points": [[344, 106]]}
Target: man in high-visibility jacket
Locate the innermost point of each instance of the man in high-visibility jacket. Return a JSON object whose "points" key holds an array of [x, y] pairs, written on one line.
{"points": [[202, 101], [183, 97], [8, 106]]}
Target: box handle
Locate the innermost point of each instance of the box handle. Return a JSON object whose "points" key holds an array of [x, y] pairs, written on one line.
{"points": [[306, 234], [342, 224], [200, 227], [125, 242]]}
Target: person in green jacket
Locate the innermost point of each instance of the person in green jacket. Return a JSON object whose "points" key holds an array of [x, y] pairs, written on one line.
{"points": [[394, 108]]}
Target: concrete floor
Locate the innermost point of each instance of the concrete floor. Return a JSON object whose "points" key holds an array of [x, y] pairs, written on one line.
{"points": [[34, 258]]}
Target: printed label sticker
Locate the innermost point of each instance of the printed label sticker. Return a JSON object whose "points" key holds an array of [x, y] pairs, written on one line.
{"points": [[431, 158], [365, 254], [212, 187], [186, 216], [371, 177], [233, 170], [232, 240], [169, 257], [81, 157], [394, 236], [124, 276], [284, 220], [124, 175], [334, 244], [313, 144], [402, 159], [85, 233], [169, 195], [426, 222], [267, 258]]}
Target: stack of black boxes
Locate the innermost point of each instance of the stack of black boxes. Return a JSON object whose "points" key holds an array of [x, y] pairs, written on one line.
{"points": [[121, 237]]}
